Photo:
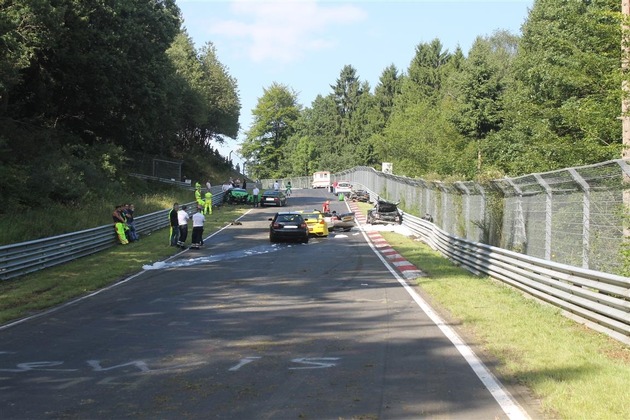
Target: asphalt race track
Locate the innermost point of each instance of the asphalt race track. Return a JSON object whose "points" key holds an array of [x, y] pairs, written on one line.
{"points": [[245, 329]]}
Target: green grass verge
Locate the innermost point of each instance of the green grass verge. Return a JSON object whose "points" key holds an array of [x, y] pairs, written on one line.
{"points": [[44, 289], [575, 372], [54, 219]]}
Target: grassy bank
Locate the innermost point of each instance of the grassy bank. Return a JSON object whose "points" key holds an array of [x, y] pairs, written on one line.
{"points": [[51, 219], [576, 373], [44, 289]]}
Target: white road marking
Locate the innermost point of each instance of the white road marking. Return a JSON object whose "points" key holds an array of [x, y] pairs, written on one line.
{"points": [[510, 406], [242, 363]]}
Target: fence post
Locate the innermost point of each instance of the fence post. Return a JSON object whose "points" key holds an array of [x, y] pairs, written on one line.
{"points": [[548, 214], [586, 216], [462, 187], [520, 234]]}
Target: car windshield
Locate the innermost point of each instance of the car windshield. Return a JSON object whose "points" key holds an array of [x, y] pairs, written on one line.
{"points": [[311, 216], [386, 207], [289, 218], [270, 192]]}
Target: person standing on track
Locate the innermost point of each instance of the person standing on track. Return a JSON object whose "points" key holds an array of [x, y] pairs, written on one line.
{"points": [[326, 207], [197, 232], [174, 223], [255, 193], [288, 192], [182, 221]]}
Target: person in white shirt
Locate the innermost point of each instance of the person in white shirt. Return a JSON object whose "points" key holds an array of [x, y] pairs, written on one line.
{"points": [[255, 193], [197, 233], [182, 220], [276, 186]]}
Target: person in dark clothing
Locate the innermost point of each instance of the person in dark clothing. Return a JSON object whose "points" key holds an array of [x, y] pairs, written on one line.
{"points": [[174, 223], [132, 235]]}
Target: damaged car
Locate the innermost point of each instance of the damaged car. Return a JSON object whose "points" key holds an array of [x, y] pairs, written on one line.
{"points": [[385, 212]]}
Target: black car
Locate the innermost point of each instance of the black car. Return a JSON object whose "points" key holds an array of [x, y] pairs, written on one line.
{"points": [[360, 195], [384, 212], [273, 198], [288, 226]]}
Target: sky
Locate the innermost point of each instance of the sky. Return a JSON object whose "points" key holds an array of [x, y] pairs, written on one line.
{"points": [[304, 44]]}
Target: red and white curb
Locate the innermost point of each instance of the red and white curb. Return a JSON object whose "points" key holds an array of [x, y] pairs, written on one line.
{"points": [[406, 269]]}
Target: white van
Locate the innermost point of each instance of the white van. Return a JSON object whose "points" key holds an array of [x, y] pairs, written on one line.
{"points": [[321, 179]]}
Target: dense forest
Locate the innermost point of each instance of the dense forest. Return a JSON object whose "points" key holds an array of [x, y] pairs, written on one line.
{"points": [[88, 88], [548, 98]]}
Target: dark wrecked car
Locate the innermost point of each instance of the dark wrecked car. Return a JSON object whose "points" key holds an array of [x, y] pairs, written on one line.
{"points": [[384, 212], [360, 195]]}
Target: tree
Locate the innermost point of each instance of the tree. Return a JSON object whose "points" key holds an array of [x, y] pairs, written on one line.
{"points": [[563, 108], [386, 91], [221, 94], [266, 141], [426, 71], [480, 85]]}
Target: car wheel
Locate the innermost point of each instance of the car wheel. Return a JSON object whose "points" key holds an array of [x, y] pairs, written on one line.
{"points": [[272, 238], [305, 240]]}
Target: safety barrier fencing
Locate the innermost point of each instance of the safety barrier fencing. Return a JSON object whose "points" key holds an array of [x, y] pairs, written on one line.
{"points": [[598, 300], [576, 216], [27, 257]]}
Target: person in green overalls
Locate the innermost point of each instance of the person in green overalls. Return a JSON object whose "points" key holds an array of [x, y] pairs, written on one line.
{"points": [[198, 198], [120, 224], [207, 206], [288, 191]]}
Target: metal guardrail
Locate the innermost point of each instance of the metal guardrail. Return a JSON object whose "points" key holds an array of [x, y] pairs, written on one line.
{"points": [[27, 257], [599, 300]]}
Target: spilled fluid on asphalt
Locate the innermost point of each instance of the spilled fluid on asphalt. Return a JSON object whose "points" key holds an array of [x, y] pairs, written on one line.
{"points": [[232, 255], [225, 256]]}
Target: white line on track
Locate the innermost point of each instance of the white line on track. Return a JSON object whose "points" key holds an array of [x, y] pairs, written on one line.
{"points": [[509, 405]]}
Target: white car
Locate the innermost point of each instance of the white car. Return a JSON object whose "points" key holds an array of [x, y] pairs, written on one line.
{"points": [[343, 187]]}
